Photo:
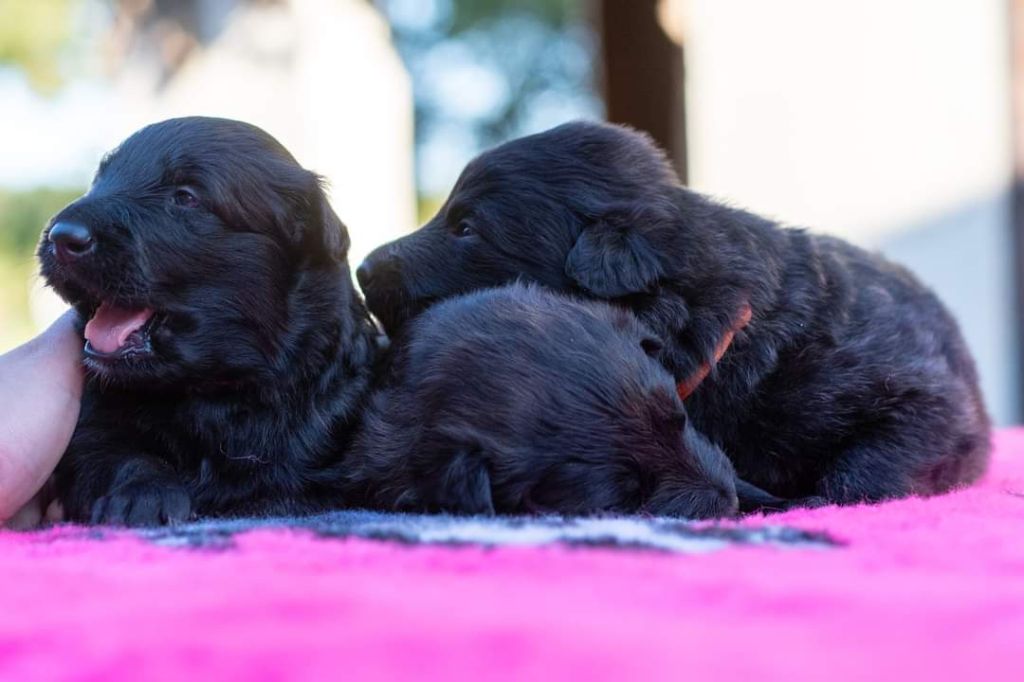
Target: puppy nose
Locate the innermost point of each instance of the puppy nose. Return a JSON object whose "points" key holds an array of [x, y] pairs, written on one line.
{"points": [[71, 240], [379, 273], [364, 273]]}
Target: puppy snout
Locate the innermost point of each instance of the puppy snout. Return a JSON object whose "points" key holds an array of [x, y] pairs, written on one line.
{"points": [[363, 273], [693, 500], [384, 272], [71, 241]]}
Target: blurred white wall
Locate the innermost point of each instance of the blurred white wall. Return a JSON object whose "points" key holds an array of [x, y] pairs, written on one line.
{"points": [[885, 122]]}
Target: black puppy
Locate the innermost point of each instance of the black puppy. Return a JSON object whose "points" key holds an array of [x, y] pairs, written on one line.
{"points": [[226, 348], [519, 400], [851, 380]]}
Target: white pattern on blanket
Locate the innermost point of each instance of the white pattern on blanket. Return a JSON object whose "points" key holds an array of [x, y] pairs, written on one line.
{"points": [[671, 535]]}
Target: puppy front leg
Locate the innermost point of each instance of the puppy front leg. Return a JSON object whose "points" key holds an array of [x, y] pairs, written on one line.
{"points": [[101, 483], [465, 485], [143, 494], [753, 500]]}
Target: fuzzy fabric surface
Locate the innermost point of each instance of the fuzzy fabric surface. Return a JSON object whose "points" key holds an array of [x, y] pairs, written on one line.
{"points": [[914, 589]]}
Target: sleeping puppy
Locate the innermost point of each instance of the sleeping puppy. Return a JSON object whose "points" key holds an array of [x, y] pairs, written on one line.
{"points": [[226, 349], [519, 400], [850, 381]]}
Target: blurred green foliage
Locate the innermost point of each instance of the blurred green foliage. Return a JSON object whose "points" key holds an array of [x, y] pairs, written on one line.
{"points": [[538, 57], [33, 34], [427, 206], [471, 14], [23, 214], [34, 37]]}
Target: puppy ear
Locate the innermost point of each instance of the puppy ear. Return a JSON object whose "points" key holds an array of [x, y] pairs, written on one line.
{"points": [[325, 233], [611, 258], [665, 411]]}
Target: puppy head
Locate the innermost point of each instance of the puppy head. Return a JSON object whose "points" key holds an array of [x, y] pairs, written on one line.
{"points": [[578, 414], [669, 467], [571, 208], [183, 253]]}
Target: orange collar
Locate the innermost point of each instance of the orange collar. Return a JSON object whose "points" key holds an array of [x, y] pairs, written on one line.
{"points": [[688, 385]]}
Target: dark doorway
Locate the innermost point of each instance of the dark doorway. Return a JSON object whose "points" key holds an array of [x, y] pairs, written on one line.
{"points": [[643, 74]]}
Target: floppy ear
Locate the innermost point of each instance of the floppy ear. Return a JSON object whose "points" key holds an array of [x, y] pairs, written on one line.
{"points": [[325, 233], [304, 215], [612, 259], [668, 415]]}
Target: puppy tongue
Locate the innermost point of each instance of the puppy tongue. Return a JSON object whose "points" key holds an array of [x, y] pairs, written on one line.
{"points": [[110, 327]]}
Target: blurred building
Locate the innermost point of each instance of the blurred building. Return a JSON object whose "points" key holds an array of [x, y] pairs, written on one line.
{"points": [[886, 123]]}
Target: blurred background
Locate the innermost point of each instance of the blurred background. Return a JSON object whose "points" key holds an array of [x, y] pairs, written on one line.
{"points": [[895, 124]]}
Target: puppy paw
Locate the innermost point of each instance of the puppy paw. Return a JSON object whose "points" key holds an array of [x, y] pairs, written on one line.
{"points": [[146, 503], [779, 506], [810, 502]]}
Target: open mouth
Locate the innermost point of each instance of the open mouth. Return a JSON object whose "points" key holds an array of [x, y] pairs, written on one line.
{"points": [[118, 333]]}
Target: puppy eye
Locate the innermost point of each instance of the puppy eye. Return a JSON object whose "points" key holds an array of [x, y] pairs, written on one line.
{"points": [[463, 229], [186, 198], [651, 346]]}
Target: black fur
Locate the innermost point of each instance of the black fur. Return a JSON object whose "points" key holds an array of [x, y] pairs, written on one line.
{"points": [[517, 400], [851, 382], [246, 386]]}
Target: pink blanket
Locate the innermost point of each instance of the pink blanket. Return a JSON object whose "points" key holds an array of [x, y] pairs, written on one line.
{"points": [[915, 589]]}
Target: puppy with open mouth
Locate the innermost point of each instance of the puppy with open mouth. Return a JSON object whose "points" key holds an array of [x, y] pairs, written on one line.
{"points": [[226, 349]]}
